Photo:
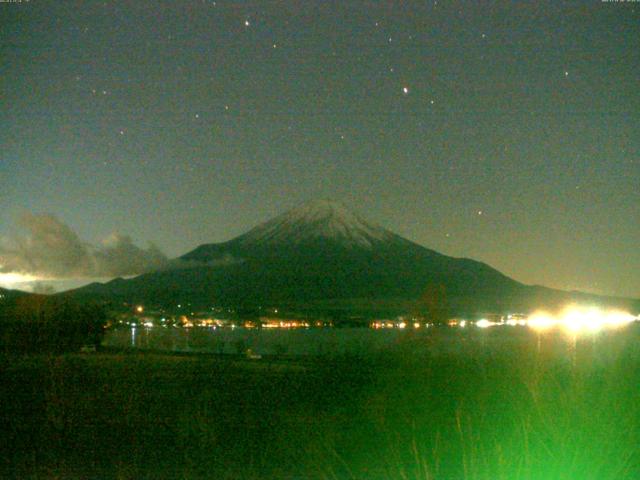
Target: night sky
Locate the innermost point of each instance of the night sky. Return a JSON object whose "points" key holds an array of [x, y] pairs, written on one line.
{"points": [[505, 132]]}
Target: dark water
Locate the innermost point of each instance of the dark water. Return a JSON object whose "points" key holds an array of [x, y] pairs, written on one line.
{"points": [[336, 341]]}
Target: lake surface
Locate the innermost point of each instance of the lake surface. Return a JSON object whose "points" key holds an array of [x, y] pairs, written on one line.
{"points": [[441, 340]]}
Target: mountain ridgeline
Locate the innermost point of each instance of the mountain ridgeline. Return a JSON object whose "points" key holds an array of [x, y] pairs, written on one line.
{"points": [[321, 258], [10, 295]]}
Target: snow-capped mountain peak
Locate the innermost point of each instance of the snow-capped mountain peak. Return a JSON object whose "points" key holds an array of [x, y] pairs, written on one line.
{"points": [[317, 221]]}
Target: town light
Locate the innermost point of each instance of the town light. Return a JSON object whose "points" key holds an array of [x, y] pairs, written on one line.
{"points": [[541, 321], [574, 319], [484, 323]]}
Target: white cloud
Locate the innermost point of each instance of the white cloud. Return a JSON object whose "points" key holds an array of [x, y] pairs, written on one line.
{"points": [[52, 250]]}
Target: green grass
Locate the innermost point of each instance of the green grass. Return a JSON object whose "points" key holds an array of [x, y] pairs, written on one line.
{"points": [[516, 412]]}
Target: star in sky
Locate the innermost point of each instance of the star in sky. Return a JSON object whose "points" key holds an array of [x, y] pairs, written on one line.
{"points": [[219, 89]]}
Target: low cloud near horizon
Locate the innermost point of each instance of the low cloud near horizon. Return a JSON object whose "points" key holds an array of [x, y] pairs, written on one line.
{"points": [[53, 250]]}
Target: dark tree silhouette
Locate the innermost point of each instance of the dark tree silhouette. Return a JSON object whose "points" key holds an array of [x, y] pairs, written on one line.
{"points": [[38, 323]]}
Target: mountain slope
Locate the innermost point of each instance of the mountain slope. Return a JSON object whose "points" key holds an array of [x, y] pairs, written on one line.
{"points": [[313, 221], [321, 257], [6, 294]]}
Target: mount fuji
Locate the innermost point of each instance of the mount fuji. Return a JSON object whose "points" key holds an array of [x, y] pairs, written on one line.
{"points": [[322, 258]]}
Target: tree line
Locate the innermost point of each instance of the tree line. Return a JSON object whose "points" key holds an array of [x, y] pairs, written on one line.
{"points": [[39, 323]]}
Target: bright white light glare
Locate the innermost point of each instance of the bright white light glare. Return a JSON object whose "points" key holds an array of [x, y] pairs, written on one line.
{"points": [[541, 321], [484, 323], [576, 319], [618, 318]]}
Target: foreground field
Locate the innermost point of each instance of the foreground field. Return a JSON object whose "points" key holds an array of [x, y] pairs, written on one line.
{"points": [[519, 412]]}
